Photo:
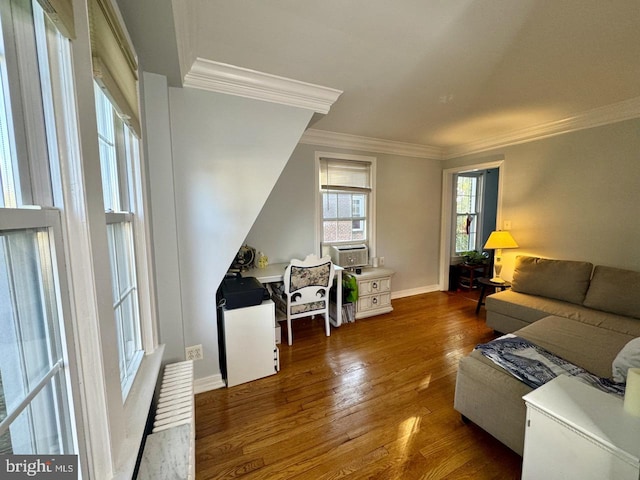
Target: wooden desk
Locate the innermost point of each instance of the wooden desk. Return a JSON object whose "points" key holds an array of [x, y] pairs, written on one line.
{"points": [[274, 272]]}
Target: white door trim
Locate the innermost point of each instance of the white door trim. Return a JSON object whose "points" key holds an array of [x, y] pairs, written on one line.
{"points": [[447, 206]]}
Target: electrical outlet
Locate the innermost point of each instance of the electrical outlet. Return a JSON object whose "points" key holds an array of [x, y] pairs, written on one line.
{"points": [[381, 261], [194, 352]]}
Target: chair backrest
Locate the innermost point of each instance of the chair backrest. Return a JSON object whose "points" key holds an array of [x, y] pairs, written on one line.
{"points": [[309, 280]]}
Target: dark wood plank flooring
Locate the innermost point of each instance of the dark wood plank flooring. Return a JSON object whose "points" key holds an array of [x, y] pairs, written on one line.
{"points": [[373, 400]]}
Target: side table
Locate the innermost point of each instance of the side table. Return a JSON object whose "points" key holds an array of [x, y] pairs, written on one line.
{"points": [[468, 275], [484, 283]]}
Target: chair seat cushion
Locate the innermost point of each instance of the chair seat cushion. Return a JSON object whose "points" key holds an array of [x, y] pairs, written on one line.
{"points": [[307, 307]]}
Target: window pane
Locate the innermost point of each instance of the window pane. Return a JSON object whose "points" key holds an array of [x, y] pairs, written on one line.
{"points": [[31, 346], [466, 198], [108, 158], [7, 149], [345, 216], [36, 429], [125, 296]]}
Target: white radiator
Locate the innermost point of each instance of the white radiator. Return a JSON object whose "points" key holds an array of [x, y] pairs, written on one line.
{"points": [[169, 451]]}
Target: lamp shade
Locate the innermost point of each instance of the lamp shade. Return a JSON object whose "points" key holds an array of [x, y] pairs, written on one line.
{"points": [[500, 239]]}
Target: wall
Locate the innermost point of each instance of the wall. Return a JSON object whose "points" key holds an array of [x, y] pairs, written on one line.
{"points": [[408, 216], [226, 154], [573, 196]]}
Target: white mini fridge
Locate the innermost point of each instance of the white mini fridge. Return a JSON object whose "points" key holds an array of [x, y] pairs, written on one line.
{"points": [[248, 343]]}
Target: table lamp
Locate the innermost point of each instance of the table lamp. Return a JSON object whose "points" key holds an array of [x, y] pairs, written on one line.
{"points": [[497, 241]]}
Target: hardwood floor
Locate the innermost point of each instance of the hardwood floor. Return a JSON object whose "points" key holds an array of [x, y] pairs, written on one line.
{"points": [[373, 400]]}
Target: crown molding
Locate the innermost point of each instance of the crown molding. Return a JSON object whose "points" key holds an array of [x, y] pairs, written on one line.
{"points": [[354, 142], [616, 112], [229, 79]]}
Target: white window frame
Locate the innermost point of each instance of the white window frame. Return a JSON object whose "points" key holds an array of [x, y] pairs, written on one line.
{"points": [[30, 138], [124, 147], [108, 431], [49, 219], [371, 214], [478, 213]]}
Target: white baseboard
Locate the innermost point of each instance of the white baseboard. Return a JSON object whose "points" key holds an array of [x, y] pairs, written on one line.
{"points": [[205, 384], [415, 291]]}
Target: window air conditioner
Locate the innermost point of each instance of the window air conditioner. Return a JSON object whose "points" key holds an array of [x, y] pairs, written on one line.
{"points": [[350, 255]]}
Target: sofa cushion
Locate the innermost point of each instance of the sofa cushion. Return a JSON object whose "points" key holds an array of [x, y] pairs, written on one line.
{"points": [[565, 280], [531, 308], [614, 290], [591, 347]]}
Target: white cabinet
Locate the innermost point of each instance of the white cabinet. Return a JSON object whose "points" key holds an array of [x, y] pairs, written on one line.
{"points": [[374, 292], [575, 431], [249, 343]]}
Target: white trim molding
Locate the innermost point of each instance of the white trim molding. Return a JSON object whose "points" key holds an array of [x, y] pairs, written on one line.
{"points": [[368, 144], [229, 79], [415, 291], [212, 382], [616, 112]]}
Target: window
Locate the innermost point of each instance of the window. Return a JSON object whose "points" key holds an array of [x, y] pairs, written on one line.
{"points": [[35, 395], [118, 156], [467, 220], [346, 191]]}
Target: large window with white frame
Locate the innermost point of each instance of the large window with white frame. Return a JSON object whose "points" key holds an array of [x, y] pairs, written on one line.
{"points": [[49, 193], [118, 156], [36, 401], [346, 185]]}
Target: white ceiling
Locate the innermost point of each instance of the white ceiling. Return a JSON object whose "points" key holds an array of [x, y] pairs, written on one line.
{"points": [[441, 73]]}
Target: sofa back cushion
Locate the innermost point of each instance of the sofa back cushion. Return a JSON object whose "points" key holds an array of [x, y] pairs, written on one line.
{"points": [[614, 290], [565, 280]]}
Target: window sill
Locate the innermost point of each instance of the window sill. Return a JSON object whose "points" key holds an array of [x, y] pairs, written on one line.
{"points": [[136, 410]]}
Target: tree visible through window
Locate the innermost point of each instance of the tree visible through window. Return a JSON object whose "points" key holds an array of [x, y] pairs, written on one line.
{"points": [[467, 213]]}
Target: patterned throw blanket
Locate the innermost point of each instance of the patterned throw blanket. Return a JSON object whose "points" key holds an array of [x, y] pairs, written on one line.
{"points": [[535, 366]]}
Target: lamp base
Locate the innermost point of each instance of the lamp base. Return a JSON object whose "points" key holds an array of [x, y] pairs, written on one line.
{"points": [[497, 280]]}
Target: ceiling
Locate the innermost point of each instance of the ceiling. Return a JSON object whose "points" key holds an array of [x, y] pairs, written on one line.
{"points": [[441, 73]]}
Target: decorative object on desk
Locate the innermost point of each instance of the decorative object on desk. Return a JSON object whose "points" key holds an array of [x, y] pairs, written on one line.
{"points": [[263, 260], [632, 392], [245, 259], [497, 241], [474, 257]]}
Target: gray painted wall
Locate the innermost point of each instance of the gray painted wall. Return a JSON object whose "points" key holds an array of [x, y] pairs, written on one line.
{"points": [[408, 219], [574, 196], [226, 153]]}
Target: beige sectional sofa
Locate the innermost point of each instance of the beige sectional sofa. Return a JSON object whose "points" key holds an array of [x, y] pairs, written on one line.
{"points": [[583, 314]]}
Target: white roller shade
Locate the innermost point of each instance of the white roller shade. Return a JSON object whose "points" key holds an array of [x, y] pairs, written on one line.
{"points": [[336, 174], [115, 66]]}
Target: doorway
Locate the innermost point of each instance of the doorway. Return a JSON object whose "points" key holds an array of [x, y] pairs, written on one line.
{"points": [[468, 222]]}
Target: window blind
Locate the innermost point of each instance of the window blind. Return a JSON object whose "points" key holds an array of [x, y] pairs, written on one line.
{"points": [[61, 14], [115, 66], [337, 174]]}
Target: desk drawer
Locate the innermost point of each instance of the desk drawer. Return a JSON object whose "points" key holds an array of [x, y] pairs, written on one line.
{"points": [[374, 302], [376, 285]]}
